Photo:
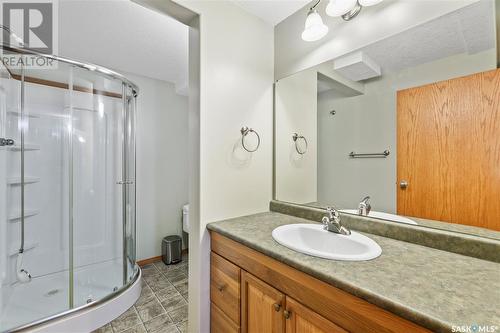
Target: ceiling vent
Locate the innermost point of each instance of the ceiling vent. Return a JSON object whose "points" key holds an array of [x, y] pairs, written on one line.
{"points": [[357, 66]]}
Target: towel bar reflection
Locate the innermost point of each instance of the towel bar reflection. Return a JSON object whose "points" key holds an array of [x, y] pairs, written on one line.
{"points": [[369, 155], [244, 132]]}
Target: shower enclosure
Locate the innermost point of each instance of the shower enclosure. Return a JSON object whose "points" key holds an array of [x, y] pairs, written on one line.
{"points": [[67, 187]]}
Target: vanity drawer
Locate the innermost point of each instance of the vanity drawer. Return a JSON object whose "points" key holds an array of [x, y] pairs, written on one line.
{"points": [[225, 286], [219, 322]]}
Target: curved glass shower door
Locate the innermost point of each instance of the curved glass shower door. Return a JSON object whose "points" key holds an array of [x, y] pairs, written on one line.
{"points": [[97, 164], [67, 189]]}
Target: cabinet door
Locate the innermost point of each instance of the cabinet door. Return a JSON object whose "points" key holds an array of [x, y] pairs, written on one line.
{"points": [[261, 306], [300, 319]]}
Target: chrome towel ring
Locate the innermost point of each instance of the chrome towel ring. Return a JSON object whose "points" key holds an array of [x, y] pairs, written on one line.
{"points": [[244, 132], [296, 138]]}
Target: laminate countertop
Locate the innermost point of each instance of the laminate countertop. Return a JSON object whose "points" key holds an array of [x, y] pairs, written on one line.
{"points": [[436, 289]]}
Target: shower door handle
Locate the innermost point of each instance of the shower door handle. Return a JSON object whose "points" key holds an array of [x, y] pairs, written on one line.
{"points": [[6, 142], [125, 182]]}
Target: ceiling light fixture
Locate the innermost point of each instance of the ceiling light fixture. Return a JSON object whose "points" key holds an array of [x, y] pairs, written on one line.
{"points": [[315, 29], [337, 8]]}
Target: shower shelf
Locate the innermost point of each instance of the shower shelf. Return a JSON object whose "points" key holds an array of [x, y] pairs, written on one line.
{"points": [[27, 146], [27, 213], [27, 247], [27, 180], [27, 115]]}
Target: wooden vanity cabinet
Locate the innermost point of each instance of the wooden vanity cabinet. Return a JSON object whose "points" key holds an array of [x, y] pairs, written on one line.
{"points": [[264, 309], [253, 293]]}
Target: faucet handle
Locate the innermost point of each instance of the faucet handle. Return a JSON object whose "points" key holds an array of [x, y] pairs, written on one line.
{"points": [[332, 222], [332, 213], [364, 206]]}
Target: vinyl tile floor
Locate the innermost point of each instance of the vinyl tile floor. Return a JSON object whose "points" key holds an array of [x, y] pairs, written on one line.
{"points": [[163, 304]]}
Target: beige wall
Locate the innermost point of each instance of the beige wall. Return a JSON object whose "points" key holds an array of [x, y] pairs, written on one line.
{"points": [[296, 99], [236, 73], [162, 163]]}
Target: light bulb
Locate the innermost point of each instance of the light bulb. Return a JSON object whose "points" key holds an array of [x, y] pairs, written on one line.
{"points": [[366, 3], [340, 7], [314, 28]]}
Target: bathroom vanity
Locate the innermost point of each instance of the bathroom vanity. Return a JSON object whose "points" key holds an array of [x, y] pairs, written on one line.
{"points": [[262, 292], [257, 283]]}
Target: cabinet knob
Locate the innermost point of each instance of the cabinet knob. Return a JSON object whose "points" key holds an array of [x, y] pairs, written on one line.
{"points": [[221, 287], [403, 184], [287, 314], [277, 307]]}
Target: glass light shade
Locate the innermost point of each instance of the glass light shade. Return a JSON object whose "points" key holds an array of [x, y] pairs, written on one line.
{"points": [[366, 3], [314, 28], [340, 7]]}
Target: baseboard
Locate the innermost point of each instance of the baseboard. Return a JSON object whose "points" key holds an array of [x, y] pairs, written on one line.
{"points": [[148, 261]]}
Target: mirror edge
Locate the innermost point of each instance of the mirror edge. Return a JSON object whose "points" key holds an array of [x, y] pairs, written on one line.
{"points": [[497, 19]]}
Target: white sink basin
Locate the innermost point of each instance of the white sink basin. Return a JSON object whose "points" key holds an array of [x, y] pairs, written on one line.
{"points": [[381, 215], [313, 240]]}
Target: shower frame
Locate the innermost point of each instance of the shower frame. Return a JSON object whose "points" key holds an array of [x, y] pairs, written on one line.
{"points": [[128, 281]]}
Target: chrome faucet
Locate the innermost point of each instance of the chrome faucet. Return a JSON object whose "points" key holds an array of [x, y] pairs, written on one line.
{"points": [[364, 206], [332, 222]]}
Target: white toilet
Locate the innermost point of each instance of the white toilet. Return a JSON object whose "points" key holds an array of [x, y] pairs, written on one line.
{"points": [[185, 218]]}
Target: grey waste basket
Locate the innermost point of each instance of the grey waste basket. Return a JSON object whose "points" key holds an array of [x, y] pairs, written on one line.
{"points": [[171, 249]]}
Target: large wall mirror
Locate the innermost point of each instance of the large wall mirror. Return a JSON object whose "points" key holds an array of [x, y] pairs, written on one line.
{"points": [[405, 129]]}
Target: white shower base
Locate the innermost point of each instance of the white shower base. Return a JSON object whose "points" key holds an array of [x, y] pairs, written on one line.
{"points": [[48, 295]]}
